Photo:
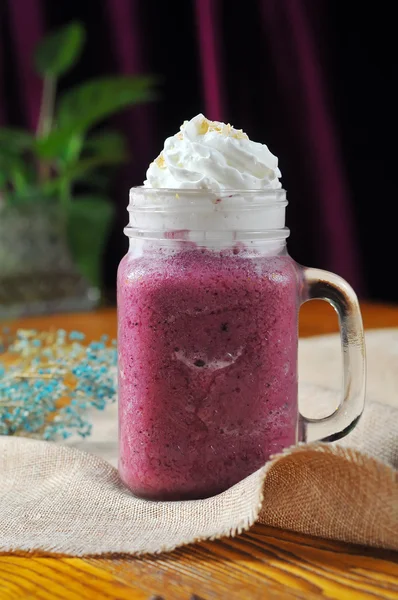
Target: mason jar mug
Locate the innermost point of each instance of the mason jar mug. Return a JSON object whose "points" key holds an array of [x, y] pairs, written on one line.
{"points": [[208, 304]]}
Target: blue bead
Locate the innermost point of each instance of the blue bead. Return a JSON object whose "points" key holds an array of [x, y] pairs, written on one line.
{"points": [[76, 335]]}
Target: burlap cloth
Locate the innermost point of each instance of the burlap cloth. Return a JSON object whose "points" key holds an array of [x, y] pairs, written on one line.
{"points": [[59, 499]]}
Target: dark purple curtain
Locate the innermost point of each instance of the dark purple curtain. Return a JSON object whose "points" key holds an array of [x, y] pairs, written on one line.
{"points": [[268, 66], [2, 113], [209, 32], [129, 48], [328, 185], [27, 28]]}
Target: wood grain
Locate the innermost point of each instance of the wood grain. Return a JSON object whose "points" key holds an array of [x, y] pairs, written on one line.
{"points": [[263, 563], [285, 565]]}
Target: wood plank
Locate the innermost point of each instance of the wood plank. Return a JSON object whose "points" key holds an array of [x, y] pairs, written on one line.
{"points": [[318, 317], [63, 579], [265, 563]]}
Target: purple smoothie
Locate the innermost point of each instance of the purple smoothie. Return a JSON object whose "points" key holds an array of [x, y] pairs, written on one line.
{"points": [[207, 368]]}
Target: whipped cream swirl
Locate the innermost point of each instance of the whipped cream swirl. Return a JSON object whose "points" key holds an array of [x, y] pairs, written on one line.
{"points": [[213, 156]]}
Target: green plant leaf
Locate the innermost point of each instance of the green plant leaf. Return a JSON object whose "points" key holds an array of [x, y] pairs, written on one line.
{"points": [[87, 165], [88, 224], [30, 195], [15, 140], [72, 149], [107, 143], [3, 183], [89, 103], [16, 173], [56, 143], [76, 171], [59, 51]]}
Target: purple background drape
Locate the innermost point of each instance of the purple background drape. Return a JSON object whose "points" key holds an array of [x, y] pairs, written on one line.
{"points": [[129, 47], [27, 26], [209, 34], [262, 65], [2, 113], [319, 143]]}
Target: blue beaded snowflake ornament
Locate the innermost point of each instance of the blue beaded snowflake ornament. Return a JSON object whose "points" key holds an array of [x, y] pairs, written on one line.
{"points": [[49, 381]]}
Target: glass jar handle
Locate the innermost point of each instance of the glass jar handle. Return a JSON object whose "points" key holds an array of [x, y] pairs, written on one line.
{"points": [[327, 286]]}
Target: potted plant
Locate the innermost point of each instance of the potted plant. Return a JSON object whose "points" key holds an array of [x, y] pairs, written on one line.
{"points": [[54, 211]]}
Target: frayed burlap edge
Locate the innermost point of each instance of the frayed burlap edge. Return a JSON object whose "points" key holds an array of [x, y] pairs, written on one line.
{"points": [[321, 490]]}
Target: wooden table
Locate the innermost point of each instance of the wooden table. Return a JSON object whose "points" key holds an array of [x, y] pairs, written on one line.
{"points": [[263, 563]]}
